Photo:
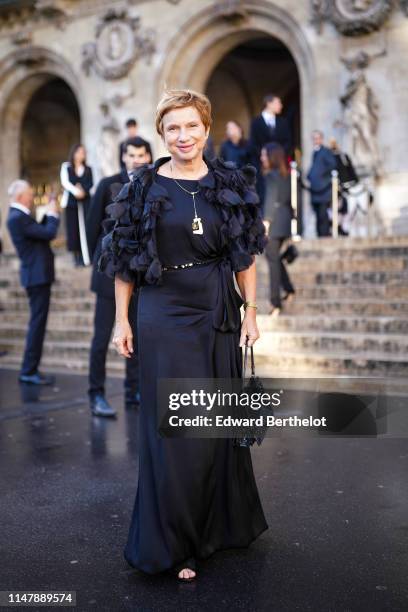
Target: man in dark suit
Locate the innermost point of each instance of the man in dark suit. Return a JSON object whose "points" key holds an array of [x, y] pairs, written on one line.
{"points": [[136, 153], [132, 129], [319, 176], [32, 243], [269, 126]]}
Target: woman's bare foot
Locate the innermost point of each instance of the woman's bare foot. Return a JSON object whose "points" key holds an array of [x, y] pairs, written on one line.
{"points": [[185, 571], [187, 574], [274, 312]]}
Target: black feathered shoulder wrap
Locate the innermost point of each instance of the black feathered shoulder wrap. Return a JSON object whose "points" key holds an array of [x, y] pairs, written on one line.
{"points": [[129, 248]]}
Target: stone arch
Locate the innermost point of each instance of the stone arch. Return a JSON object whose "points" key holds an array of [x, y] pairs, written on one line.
{"points": [[22, 73], [207, 37]]}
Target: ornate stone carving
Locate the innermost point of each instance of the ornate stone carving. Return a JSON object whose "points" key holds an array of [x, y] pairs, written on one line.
{"points": [[231, 9], [22, 38], [31, 57], [54, 11], [361, 115], [352, 17], [119, 43]]}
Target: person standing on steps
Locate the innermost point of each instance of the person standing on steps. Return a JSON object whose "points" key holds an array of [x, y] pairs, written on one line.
{"points": [[77, 181], [136, 152], [235, 148], [132, 131], [181, 230], [269, 126], [278, 215], [32, 243], [320, 179]]}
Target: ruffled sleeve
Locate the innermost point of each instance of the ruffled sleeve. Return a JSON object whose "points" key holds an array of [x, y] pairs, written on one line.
{"points": [[121, 242], [243, 224]]}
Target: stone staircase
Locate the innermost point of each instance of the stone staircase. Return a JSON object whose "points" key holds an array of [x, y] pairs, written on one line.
{"points": [[350, 315]]}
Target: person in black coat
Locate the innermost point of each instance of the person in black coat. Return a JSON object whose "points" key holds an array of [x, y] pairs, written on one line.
{"points": [[77, 181], [278, 215], [319, 176], [136, 153], [235, 148], [32, 243], [269, 126], [132, 128]]}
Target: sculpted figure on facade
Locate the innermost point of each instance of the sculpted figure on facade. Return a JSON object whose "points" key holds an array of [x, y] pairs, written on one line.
{"points": [[361, 115]]}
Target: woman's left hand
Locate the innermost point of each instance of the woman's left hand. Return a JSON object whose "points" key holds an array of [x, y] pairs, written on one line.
{"points": [[249, 328]]}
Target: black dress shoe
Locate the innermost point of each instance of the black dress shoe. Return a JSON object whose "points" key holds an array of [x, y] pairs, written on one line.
{"points": [[100, 407], [132, 400], [36, 379]]}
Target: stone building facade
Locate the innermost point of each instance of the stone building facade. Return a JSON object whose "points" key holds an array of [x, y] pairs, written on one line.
{"points": [[75, 70]]}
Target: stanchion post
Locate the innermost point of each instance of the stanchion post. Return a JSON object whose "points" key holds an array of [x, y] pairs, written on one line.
{"points": [[335, 203], [294, 198]]}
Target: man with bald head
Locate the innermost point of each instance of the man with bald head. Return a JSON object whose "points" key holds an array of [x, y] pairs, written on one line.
{"points": [[32, 243]]}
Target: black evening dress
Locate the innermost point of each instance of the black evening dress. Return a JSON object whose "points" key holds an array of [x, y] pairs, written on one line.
{"points": [[194, 496]]}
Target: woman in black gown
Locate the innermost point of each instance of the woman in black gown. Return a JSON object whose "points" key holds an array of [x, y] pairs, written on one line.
{"points": [[194, 496]]}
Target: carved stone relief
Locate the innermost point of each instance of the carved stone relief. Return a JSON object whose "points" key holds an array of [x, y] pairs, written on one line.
{"points": [[352, 17], [119, 43]]}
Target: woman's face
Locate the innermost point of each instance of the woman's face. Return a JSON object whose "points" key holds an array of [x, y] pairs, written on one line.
{"points": [[79, 155], [264, 159], [184, 133], [233, 131]]}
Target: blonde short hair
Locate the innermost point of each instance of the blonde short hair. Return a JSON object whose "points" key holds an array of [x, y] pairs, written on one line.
{"points": [[180, 98]]}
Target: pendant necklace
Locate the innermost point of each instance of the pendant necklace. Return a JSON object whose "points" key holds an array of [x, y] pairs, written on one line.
{"points": [[197, 225]]}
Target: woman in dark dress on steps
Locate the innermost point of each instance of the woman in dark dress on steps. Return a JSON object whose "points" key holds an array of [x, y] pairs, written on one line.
{"points": [[194, 496], [77, 181], [278, 216]]}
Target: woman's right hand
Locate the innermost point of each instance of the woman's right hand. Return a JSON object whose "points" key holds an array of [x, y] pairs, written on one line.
{"points": [[123, 338], [80, 192]]}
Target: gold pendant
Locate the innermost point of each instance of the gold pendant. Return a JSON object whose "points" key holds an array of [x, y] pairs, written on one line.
{"points": [[197, 226]]}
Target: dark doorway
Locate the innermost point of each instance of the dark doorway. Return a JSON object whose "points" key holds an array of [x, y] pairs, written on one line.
{"points": [[244, 76], [51, 125]]}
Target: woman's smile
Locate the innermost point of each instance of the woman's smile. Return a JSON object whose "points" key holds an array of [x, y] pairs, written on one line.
{"points": [[185, 148]]}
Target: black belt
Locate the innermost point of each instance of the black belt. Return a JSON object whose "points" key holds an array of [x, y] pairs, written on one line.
{"points": [[190, 264]]}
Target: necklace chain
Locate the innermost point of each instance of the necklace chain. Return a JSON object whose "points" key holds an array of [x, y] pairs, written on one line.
{"points": [[192, 193]]}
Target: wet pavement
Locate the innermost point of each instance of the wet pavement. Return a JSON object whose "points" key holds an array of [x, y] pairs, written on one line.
{"points": [[337, 511]]}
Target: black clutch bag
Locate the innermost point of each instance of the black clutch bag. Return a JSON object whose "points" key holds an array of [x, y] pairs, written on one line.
{"points": [[290, 254], [249, 434]]}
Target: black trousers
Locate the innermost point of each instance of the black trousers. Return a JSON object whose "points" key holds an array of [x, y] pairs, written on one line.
{"points": [[322, 218], [39, 299], [278, 275], [104, 320]]}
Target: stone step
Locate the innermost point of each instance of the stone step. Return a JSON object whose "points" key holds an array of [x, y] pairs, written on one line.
{"points": [[55, 363], [346, 324], [295, 364], [71, 285], [20, 304], [298, 364], [66, 349], [345, 307], [85, 301], [366, 264], [331, 342], [349, 324], [77, 343]]}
